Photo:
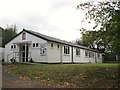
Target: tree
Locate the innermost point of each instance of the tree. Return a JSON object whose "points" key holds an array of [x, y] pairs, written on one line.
{"points": [[106, 15], [1, 30], [8, 33], [92, 39]]}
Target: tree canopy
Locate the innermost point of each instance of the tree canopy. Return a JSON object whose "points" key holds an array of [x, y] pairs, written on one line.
{"points": [[106, 15], [8, 33]]}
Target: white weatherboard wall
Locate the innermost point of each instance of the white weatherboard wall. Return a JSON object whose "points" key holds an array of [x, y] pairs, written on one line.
{"points": [[92, 59], [76, 58], [66, 58], [34, 53], [99, 59], [53, 53], [9, 51], [84, 59]]}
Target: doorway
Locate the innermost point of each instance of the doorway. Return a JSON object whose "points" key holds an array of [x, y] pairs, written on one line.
{"points": [[24, 52]]}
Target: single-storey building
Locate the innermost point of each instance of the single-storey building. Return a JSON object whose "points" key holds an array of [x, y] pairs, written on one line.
{"points": [[29, 45]]}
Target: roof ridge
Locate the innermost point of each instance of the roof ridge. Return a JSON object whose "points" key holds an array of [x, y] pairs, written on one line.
{"points": [[49, 38]]}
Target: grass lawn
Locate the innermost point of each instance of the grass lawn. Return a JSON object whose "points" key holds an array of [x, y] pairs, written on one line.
{"points": [[69, 75]]}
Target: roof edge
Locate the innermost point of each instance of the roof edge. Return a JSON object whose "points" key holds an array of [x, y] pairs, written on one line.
{"points": [[67, 43]]}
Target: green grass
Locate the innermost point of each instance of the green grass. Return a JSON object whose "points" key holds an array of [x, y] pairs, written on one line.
{"points": [[70, 75]]}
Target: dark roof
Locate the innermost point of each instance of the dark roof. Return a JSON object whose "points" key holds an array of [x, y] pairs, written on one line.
{"points": [[48, 38]]}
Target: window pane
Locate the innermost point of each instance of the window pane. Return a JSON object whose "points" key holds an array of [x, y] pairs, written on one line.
{"points": [[86, 53], [23, 36], [36, 44], [11, 46], [92, 54], [14, 46], [77, 51], [68, 50], [58, 46], [98, 55], [64, 49], [33, 44], [89, 54], [51, 44]]}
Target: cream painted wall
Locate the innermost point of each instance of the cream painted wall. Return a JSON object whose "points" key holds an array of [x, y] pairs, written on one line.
{"points": [[53, 53], [35, 54], [35, 51], [99, 59], [82, 58], [66, 58]]}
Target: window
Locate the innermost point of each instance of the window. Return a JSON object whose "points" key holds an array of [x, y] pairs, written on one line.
{"points": [[23, 36], [93, 54], [42, 51], [58, 46], [86, 53], [89, 54], [51, 44], [98, 55], [66, 50], [33, 44], [11, 46], [14, 46], [36, 44], [77, 51]]}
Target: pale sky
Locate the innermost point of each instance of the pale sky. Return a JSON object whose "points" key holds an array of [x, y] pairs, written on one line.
{"points": [[56, 18]]}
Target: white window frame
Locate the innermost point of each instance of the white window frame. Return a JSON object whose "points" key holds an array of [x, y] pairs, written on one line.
{"points": [[93, 55], [37, 44], [58, 46], [52, 45], [66, 50], [86, 53], [98, 55], [34, 45], [77, 51], [12, 47], [23, 36], [90, 54]]}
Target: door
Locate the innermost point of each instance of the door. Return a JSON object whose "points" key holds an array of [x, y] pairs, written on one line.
{"points": [[24, 51]]}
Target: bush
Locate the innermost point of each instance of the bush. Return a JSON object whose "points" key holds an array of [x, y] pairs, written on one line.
{"points": [[31, 61], [3, 60], [13, 60]]}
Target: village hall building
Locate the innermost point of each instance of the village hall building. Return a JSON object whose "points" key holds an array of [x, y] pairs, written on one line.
{"points": [[30, 45]]}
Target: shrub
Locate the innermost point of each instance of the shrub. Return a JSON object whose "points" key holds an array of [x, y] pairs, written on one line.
{"points": [[31, 61]]}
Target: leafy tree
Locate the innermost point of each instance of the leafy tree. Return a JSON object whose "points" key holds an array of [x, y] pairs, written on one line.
{"points": [[92, 39], [106, 15], [8, 33], [1, 30]]}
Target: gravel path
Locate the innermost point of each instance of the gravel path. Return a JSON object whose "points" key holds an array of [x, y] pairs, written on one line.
{"points": [[10, 81]]}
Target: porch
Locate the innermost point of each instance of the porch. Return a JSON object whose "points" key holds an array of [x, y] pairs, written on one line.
{"points": [[22, 52]]}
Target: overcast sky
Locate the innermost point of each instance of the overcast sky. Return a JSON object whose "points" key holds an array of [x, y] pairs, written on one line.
{"points": [[56, 18]]}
